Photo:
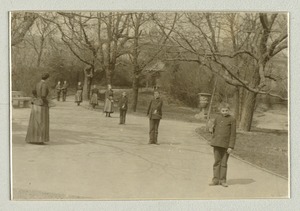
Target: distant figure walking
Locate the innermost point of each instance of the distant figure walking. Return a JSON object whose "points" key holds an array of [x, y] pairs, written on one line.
{"points": [[223, 141], [109, 102], [123, 105], [94, 96], [78, 95], [38, 128], [64, 90], [155, 114], [58, 90]]}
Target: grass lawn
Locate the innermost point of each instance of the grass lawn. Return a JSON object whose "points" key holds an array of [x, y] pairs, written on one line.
{"points": [[265, 148]]}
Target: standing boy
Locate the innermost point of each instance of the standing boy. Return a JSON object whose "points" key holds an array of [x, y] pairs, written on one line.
{"points": [[58, 90], [64, 90], [223, 141], [155, 115], [123, 104]]}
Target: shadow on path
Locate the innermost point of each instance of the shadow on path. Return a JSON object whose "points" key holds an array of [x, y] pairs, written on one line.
{"points": [[240, 181]]}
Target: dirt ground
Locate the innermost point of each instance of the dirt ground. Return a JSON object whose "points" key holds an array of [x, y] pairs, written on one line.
{"points": [[93, 157]]}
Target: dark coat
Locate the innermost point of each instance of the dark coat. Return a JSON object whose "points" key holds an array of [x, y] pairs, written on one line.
{"points": [[79, 87], [64, 87], [224, 132], [95, 91], [155, 109], [109, 94], [123, 103], [58, 88], [42, 92]]}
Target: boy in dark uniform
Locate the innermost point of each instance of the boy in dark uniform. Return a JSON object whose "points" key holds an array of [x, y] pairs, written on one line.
{"points": [[64, 90], [223, 141], [123, 104], [155, 115]]}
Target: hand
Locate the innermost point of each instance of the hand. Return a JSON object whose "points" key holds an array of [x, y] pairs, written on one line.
{"points": [[229, 150]]}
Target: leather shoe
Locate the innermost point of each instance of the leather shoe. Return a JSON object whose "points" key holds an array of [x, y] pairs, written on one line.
{"points": [[213, 183], [224, 184]]}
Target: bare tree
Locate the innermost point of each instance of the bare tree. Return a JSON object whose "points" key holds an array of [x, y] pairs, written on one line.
{"points": [[37, 37], [255, 39], [144, 49], [96, 39], [20, 24]]}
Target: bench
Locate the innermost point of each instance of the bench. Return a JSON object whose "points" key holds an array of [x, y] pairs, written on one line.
{"points": [[19, 100]]}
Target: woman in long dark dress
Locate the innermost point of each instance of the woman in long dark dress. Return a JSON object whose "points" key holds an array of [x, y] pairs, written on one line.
{"points": [[94, 96], [109, 102], [78, 95], [38, 128]]}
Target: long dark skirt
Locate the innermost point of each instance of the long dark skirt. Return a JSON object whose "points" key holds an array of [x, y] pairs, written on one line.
{"points": [[78, 96], [38, 128], [94, 99], [108, 106]]}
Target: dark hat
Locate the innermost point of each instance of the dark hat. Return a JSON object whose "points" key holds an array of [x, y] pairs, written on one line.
{"points": [[45, 76]]}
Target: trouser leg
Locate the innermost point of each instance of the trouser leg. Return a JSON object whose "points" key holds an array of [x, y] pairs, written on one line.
{"points": [[217, 164], [152, 131], [64, 96], [156, 124], [124, 116], [223, 168], [121, 116]]}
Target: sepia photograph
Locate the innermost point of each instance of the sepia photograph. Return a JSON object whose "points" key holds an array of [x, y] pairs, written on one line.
{"points": [[140, 105]]}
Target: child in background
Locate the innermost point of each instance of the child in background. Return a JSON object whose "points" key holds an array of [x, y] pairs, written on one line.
{"points": [[94, 97], [123, 104], [223, 141], [78, 95]]}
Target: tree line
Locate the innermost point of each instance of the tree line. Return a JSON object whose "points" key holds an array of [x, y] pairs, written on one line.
{"points": [[246, 51]]}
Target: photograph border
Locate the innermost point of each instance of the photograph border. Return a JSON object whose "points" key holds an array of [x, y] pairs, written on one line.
{"points": [[5, 154]]}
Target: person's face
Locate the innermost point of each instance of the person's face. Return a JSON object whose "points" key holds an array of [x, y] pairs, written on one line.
{"points": [[156, 95], [124, 94], [79, 83], [225, 111], [109, 86], [58, 82], [65, 82], [94, 86]]}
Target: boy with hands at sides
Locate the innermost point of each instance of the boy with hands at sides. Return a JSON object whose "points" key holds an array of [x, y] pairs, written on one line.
{"points": [[223, 141]]}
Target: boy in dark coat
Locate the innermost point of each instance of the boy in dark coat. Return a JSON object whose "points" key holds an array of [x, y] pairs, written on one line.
{"points": [[123, 105], [223, 141], [64, 90], [155, 115]]}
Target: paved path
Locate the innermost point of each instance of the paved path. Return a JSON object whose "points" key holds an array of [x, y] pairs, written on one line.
{"points": [[93, 157]]}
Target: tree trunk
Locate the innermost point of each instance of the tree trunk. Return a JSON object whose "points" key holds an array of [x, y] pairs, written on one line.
{"points": [[40, 53], [248, 111], [237, 105], [109, 71], [88, 77], [86, 88], [249, 100], [135, 89]]}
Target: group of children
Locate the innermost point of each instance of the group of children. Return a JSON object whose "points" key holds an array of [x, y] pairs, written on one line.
{"points": [[223, 128], [108, 103]]}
